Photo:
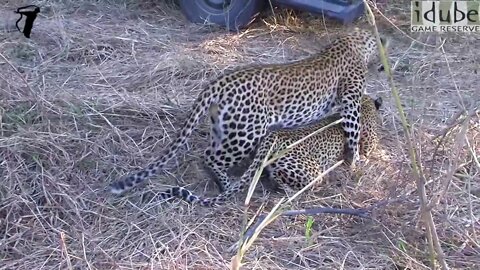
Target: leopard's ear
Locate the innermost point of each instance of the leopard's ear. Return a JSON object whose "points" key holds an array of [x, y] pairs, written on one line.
{"points": [[378, 102]]}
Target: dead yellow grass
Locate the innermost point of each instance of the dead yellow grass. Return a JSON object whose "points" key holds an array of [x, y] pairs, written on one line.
{"points": [[101, 87]]}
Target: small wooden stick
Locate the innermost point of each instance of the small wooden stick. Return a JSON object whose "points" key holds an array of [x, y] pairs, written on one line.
{"points": [[363, 213]]}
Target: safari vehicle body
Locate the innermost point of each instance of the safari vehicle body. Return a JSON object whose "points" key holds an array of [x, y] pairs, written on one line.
{"points": [[237, 14]]}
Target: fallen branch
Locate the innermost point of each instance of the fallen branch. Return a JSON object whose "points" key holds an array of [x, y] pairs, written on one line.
{"points": [[363, 213]]}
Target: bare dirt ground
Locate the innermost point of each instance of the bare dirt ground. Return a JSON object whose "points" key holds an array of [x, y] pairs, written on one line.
{"points": [[101, 87]]}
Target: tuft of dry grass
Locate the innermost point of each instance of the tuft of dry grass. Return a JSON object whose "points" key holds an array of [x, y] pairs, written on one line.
{"points": [[101, 87]]}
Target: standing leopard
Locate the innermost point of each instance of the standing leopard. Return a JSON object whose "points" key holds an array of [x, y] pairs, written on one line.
{"points": [[305, 161], [244, 104]]}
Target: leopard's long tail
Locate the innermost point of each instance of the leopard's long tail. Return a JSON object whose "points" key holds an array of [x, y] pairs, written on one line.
{"points": [[200, 108], [262, 154]]}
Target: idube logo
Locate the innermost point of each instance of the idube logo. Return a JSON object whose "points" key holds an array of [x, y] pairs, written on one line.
{"points": [[445, 16]]}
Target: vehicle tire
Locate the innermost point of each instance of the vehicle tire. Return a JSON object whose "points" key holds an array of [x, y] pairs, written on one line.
{"points": [[232, 14]]}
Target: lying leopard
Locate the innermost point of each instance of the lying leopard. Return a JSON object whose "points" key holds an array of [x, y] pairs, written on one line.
{"points": [[304, 162], [244, 104]]}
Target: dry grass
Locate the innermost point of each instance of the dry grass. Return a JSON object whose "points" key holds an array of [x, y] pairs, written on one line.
{"points": [[102, 85]]}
